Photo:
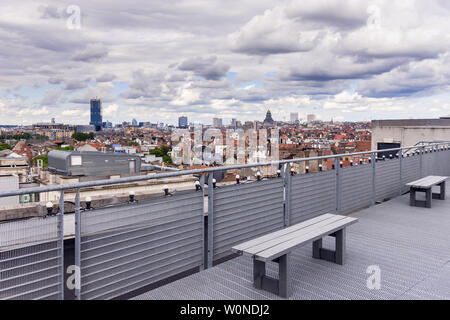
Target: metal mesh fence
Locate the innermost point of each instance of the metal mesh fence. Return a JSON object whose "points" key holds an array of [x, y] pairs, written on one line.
{"points": [[245, 211], [312, 194], [31, 262], [126, 247]]}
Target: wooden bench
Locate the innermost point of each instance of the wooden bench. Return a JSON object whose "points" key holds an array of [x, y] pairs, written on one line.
{"points": [[425, 185], [278, 245]]}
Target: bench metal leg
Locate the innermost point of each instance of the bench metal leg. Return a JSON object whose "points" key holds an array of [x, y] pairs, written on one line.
{"points": [[337, 256], [284, 276], [441, 194], [412, 197], [428, 195], [420, 203], [280, 286], [259, 271], [340, 246], [317, 246]]}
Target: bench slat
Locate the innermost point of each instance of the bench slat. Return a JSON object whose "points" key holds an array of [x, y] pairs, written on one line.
{"points": [[248, 244], [292, 235], [427, 182], [285, 247]]}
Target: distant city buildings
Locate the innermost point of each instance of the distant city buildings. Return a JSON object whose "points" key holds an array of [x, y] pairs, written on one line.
{"points": [[311, 118], [217, 122], [96, 114], [294, 117], [268, 121], [53, 130], [183, 122], [85, 128], [107, 125]]}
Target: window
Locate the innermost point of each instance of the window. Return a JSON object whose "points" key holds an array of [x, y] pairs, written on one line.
{"points": [[76, 160]]}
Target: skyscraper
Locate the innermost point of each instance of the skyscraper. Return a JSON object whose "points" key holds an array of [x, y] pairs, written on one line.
{"points": [[96, 114], [217, 122], [182, 122], [311, 117], [294, 117]]}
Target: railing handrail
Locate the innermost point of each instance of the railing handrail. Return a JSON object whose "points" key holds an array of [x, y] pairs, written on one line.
{"points": [[105, 182]]}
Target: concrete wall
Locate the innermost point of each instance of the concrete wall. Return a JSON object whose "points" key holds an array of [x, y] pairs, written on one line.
{"points": [[408, 135], [100, 196], [151, 186], [9, 182], [19, 171]]}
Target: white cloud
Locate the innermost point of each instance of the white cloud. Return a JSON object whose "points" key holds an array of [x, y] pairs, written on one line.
{"points": [[373, 58], [110, 110]]}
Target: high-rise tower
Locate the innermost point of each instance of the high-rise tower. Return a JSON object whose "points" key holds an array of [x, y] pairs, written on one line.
{"points": [[96, 114]]}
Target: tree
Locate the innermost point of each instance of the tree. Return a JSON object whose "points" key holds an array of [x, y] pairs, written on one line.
{"points": [[163, 152], [44, 159], [157, 152], [81, 136], [66, 148], [167, 159], [4, 146], [164, 149]]}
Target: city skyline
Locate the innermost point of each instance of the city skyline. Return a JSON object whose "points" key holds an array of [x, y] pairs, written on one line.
{"points": [[340, 60]]}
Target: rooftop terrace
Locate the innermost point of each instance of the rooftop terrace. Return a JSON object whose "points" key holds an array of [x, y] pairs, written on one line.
{"points": [[409, 244], [123, 250]]}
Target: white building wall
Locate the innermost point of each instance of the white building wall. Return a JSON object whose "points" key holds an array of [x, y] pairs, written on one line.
{"points": [[7, 183], [408, 135]]}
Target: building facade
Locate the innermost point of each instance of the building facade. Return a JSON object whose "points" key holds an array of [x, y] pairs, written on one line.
{"points": [[183, 122], [217, 122], [293, 117], [96, 114], [311, 118], [408, 132]]}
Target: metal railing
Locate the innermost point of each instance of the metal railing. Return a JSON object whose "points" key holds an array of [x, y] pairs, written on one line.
{"points": [[119, 249]]}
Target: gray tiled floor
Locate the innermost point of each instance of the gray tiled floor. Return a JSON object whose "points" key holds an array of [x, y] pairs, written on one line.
{"points": [[410, 245]]}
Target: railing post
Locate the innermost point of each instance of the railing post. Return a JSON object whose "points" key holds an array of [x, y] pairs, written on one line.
{"points": [[288, 192], [77, 246], [421, 149], [210, 221], [374, 191], [337, 167], [400, 156], [61, 241], [202, 185]]}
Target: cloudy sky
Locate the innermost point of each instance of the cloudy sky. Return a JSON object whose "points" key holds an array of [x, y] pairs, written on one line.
{"points": [[155, 60]]}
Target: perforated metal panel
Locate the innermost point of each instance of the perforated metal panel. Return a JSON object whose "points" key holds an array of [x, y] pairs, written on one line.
{"points": [[408, 244], [446, 162], [410, 170], [440, 163], [428, 163], [127, 247], [387, 181], [30, 259], [312, 194], [246, 211], [355, 187]]}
